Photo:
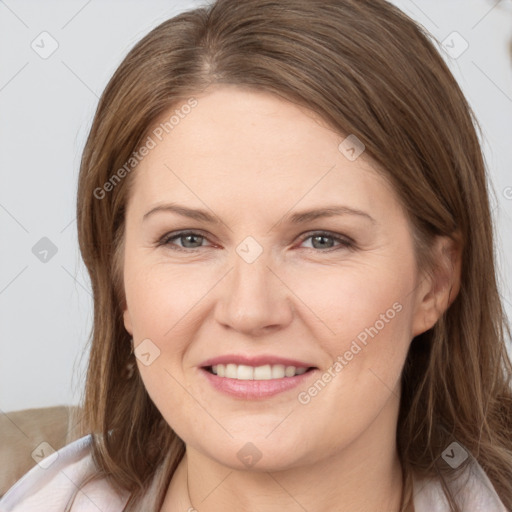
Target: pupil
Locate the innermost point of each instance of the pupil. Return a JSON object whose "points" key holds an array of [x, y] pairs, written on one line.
{"points": [[320, 237], [187, 237]]}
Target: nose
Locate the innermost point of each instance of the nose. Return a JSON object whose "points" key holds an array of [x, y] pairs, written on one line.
{"points": [[254, 299]]}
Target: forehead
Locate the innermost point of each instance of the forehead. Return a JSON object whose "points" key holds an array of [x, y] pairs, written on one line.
{"points": [[255, 149]]}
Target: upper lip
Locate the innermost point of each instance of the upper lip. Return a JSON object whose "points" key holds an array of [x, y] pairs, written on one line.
{"points": [[259, 360]]}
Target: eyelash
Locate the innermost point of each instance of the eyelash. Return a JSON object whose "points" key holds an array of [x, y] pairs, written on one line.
{"points": [[344, 243]]}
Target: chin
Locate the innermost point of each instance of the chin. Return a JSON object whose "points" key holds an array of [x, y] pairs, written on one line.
{"points": [[260, 454]]}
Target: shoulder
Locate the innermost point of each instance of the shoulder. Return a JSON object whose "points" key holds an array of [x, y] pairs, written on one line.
{"points": [[52, 482], [471, 488]]}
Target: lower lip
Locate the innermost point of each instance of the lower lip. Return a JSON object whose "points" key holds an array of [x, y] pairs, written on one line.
{"points": [[254, 389]]}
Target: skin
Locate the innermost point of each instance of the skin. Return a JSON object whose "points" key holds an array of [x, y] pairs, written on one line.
{"points": [[251, 158]]}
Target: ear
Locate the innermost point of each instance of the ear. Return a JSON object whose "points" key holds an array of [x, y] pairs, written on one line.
{"points": [[438, 289], [127, 321]]}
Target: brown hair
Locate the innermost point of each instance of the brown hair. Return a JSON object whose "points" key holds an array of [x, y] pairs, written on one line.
{"points": [[366, 69]]}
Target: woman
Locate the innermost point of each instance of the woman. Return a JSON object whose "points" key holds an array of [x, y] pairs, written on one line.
{"points": [[237, 362]]}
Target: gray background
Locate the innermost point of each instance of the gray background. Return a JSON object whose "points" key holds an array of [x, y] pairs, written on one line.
{"points": [[46, 109]]}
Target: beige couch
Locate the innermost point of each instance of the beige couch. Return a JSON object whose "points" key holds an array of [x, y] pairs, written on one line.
{"points": [[21, 435]]}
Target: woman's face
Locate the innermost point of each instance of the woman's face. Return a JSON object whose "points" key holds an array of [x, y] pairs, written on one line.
{"points": [[262, 291]]}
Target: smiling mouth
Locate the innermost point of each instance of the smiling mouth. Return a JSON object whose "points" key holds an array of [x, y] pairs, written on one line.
{"points": [[264, 372]]}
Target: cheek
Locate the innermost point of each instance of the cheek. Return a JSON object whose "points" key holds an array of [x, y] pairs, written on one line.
{"points": [[339, 302], [357, 301], [369, 312], [160, 296]]}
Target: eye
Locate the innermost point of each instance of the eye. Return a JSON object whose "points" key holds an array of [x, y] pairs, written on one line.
{"points": [[193, 240], [318, 240]]}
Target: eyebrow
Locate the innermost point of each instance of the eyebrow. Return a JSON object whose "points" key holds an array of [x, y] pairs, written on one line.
{"points": [[295, 218]]}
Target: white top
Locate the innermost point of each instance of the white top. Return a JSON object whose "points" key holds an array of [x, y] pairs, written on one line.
{"points": [[50, 484]]}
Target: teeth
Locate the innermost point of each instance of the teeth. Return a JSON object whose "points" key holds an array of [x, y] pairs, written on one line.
{"points": [[263, 372], [244, 372], [289, 371], [266, 372], [278, 371]]}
